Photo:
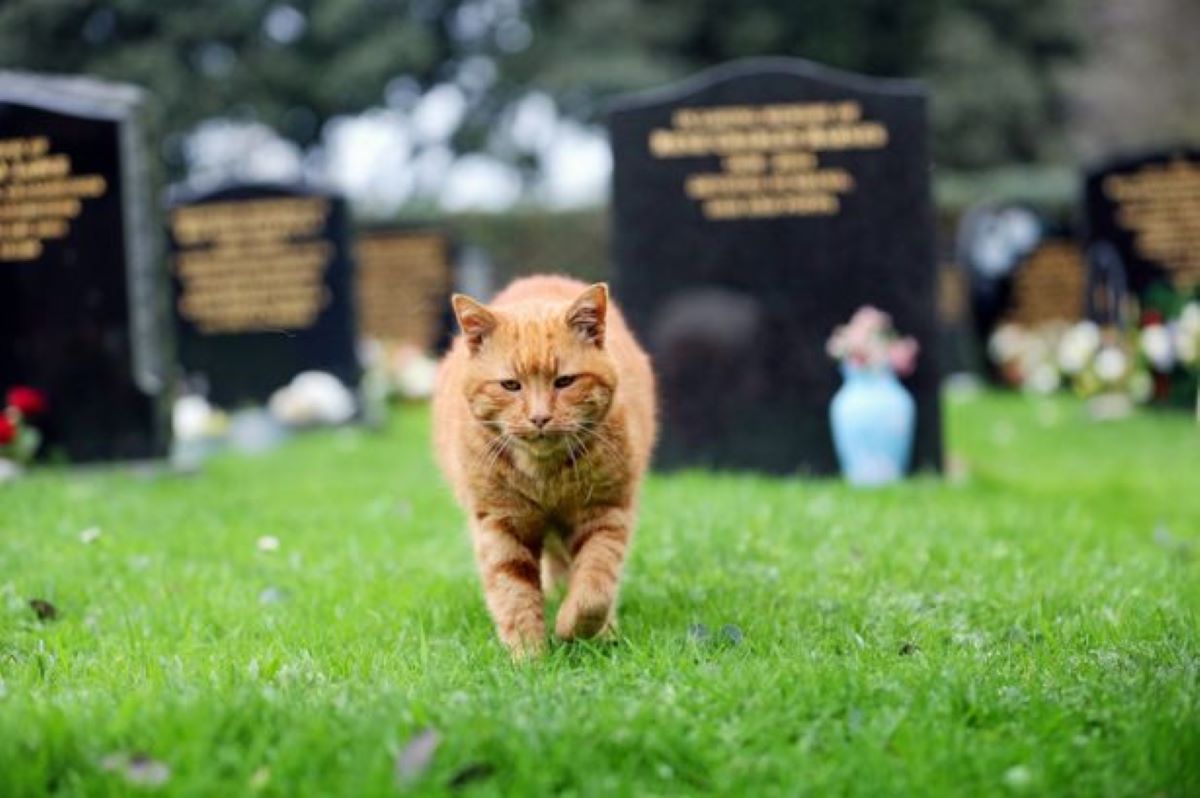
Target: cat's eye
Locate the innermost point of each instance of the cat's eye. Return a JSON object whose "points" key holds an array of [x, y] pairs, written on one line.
{"points": [[564, 381], [510, 385]]}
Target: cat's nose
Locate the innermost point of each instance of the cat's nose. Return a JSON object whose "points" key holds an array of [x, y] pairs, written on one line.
{"points": [[539, 421]]}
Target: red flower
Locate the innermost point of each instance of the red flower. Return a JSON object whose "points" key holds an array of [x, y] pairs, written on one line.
{"points": [[8, 430], [30, 401]]}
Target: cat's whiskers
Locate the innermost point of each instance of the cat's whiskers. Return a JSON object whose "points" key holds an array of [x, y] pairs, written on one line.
{"points": [[500, 447], [604, 441], [573, 440], [489, 455]]}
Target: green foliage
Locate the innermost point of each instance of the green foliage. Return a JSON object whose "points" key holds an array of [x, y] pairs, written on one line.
{"points": [[216, 59], [993, 64], [1028, 626], [995, 72]]}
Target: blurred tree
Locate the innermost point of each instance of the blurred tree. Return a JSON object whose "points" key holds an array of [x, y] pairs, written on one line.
{"points": [[294, 64], [997, 70], [1140, 86], [993, 65]]}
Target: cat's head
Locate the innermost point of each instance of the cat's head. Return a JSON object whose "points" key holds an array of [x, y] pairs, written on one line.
{"points": [[538, 372]]}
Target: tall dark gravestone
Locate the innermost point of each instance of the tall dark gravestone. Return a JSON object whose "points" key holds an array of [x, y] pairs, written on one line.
{"points": [[264, 289], [405, 278], [82, 289], [1143, 216], [756, 206]]}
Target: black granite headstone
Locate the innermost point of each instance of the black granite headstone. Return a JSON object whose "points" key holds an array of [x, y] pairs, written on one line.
{"points": [[1143, 217], [82, 290], [756, 207], [405, 278], [263, 282]]}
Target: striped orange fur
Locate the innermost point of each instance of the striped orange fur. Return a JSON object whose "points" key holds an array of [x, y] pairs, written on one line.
{"points": [[544, 420]]}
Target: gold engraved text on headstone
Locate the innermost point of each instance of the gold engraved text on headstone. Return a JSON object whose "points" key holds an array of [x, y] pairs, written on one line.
{"points": [[39, 196], [768, 155], [403, 281], [1050, 285], [1160, 206], [252, 265]]}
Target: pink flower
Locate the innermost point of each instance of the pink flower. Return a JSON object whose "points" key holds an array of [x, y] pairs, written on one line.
{"points": [[902, 355], [869, 341]]}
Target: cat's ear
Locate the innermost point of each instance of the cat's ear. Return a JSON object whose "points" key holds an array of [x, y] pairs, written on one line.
{"points": [[476, 321], [586, 314]]}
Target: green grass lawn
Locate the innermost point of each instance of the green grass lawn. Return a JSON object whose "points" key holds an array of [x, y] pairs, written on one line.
{"points": [[1027, 626]]}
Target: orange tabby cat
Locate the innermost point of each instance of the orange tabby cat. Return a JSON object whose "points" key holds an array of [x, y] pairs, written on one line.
{"points": [[543, 424]]}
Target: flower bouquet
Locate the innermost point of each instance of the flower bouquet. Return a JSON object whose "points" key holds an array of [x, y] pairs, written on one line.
{"points": [[19, 437], [872, 416], [1110, 367]]}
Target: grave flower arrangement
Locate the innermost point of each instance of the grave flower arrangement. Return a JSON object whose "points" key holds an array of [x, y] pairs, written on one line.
{"points": [[1170, 347], [1087, 359], [872, 415], [19, 435], [869, 341], [1158, 359]]}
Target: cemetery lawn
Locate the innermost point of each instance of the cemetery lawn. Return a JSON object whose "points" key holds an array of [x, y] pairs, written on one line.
{"points": [[1031, 626]]}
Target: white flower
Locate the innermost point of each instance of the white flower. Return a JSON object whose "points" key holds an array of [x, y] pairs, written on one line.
{"points": [[89, 535], [1187, 334], [313, 397], [1156, 346], [1021, 228], [416, 377], [191, 418], [1043, 379], [1141, 386], [1190, 315], [268, 543], [1111, 364], [1006, 343], [1077, 347]]}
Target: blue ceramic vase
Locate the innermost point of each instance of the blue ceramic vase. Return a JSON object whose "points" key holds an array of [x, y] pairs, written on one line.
{"points": [[873, 418]]}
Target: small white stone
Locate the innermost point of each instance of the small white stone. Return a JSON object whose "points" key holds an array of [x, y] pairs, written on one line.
{"points": [[1018, 777], [9, 470]]}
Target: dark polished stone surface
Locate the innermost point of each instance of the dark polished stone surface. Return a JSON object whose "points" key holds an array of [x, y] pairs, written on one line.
{"points": [[405, 278], [82, 285], [734, 270], [1143, 211], [271, 291]]}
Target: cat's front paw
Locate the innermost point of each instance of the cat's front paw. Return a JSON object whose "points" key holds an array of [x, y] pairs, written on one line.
{"points": [[585, 618], [526, 650]]}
